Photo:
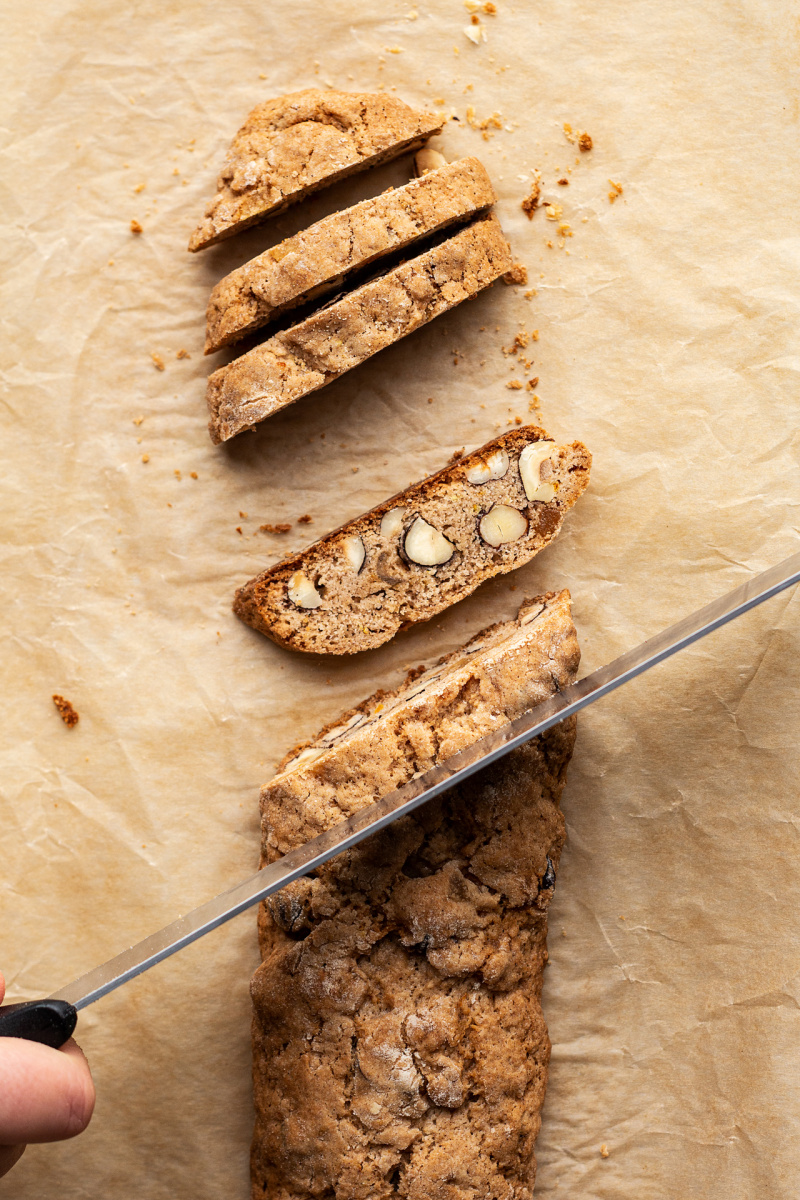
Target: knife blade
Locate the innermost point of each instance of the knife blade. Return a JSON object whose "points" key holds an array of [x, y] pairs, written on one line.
{"points": [[39, 1020]]}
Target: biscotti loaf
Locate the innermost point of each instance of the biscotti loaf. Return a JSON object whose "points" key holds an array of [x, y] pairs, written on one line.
{"points": [[321, 257], [421, 551], [348, 332], [399, 1043], [294, 145]]}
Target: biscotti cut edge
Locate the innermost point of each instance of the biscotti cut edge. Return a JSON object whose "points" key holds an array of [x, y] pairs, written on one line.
{"points": [[300, 360], [338, 133], [322, 257], [367, 588]]}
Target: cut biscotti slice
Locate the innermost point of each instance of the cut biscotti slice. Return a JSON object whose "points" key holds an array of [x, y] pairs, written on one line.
{"points": [[306, 357], [399, 1043], [294, 145], [320, 258], [421, 551]]}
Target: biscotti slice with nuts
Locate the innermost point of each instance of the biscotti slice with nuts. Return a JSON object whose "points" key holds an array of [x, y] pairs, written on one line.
{"points": [[421, 551], [320, 258], [399, 1043], [306, 357], [294, 145]]}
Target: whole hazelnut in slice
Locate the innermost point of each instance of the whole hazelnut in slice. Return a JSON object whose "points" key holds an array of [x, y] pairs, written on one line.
{"points": [[530, 467], [502, 524], [354, 552], [425, 546], [426, 160], [494, 466], [302, 592], [392, 522]]}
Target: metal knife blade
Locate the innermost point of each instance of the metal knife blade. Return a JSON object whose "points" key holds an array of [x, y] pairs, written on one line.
{"points": [[180, 933]]}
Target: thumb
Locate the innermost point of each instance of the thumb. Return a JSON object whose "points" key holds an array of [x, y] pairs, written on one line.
{"points": [[45, 1094]]}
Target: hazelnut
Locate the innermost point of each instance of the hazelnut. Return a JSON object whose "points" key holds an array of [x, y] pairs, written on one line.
{"points": [[425, 546], [531, 461], [502, 524], [427, 160], [494, 466], [302, 592], [392, 522], [354, 552]]}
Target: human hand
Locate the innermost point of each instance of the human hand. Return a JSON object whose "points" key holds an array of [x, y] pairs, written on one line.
{"points": [[45, 1095]]}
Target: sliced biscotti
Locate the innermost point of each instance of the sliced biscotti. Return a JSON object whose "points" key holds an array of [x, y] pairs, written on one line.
{"points": [[426, 548], [294, 145], [311, 354], [321, 257], [399, 1043]]}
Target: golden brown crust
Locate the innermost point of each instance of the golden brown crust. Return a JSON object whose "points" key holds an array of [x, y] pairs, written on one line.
{"points": [[348, 332], [319, 259], [294, 145], [362, 609]]}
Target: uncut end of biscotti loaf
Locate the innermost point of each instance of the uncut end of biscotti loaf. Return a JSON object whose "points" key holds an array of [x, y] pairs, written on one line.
{"points": [[399, 1044], [423, 550], [316, 351], [319, 259], [294, 145], [392, 736]]}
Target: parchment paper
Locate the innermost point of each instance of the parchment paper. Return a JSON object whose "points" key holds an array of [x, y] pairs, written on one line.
{"points": [[667, 341]]}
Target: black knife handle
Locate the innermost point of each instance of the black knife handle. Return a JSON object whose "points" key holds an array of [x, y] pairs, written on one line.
{"points": [[50, 1022]]}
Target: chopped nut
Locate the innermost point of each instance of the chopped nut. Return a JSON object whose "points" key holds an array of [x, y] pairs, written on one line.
{"points": [[427, 547], [502, 524], [495, 466], [392, 522], [183, 354], [68, 714], [302, 592], [531, 461], [354, 552], [476, 34], [136, 227], [515, 385], [553, 212], [604, 1147], [427, 160]]}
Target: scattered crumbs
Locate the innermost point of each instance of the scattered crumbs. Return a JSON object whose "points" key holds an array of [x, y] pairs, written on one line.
{"points": [[158, 361], [306, 519], [239, 529], [563, 182], [604, 1151], [531, 201], [281, 527], [183, 354], [177, 473], [138, 420], [456, 455], [136, 227], [68, 714], [193, 474], [242, 515], [145, 458], [616, 190], [492, 122], [532, 384], [585, 142], [139, 187], [515, 385], [517, 275]]}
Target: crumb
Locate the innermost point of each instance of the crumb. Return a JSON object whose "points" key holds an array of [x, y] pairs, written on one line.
{"points": [[518, 275], [514, 385], [532, 384], [68, 714], [517, 420], [177, 473], [490, 9], [158, 362], [139, 187], [281, 527], [354, 470], [531, 201], [430, 399], [563, 183], [414, 673], [193, 474], [136, 227], [138, 420], [617, 190], [239, 529], [604, 1151], [456, 455], [306, 519], [183, 354], [494, 121], [145, 458], [243, 515], [585, 142]]}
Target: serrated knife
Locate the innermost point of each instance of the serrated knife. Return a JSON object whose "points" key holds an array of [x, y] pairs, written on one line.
{"points": [[52, 1021]]}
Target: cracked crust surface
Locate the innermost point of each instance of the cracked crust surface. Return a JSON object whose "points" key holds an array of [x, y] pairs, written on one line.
{"points": [[319, 258], [294, 145], [399, 1044], [365, 607], [311, 354]]}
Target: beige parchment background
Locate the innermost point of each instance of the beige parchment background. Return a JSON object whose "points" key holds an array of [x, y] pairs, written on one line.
{"points": [[667, 342]]}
